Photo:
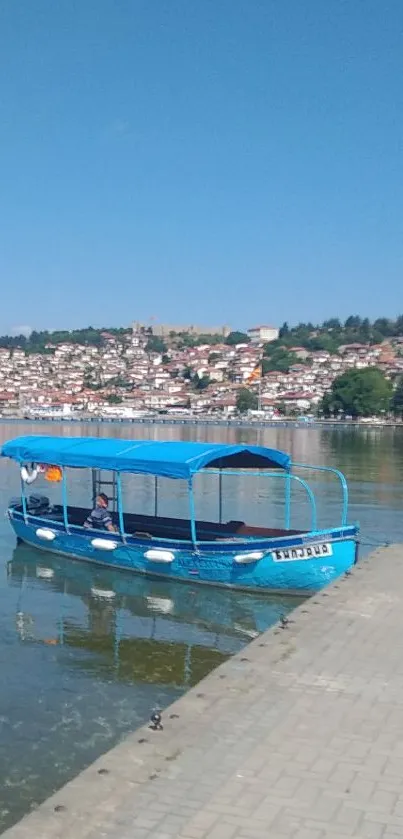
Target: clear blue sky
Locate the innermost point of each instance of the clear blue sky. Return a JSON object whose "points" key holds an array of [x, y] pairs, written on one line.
{"points": [[205, 161]]}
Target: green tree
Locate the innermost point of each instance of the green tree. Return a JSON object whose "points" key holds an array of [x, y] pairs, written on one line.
{"points": [[114, 399], [237, 338], [10, 342], [200, 382], [281, 360], [302, 334], [212, 339], [246, 400], [384, 326], [272, 347], [184, 339], [376, 336], [397, 399], [324, 341], [187, 373], [352, 322], [332, 323], [365, 330], [119, 381], [155, 344], [359, 393], [281, 409]]}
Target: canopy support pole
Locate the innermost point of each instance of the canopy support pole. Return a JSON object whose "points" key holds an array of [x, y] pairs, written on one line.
{"points": [[284, 476], [220, 497], [287, 511], [343, 483], [94, 487], [156, 496], [192, 513], [24, 501], [64, 500], [120, 506]]}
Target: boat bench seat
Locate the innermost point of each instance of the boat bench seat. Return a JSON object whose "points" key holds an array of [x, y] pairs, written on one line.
{"points": [[250, 530], [151, 527], [171, 529]]}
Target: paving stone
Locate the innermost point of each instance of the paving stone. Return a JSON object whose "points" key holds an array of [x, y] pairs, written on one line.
{"points": [[222, 831], [369, 830]]}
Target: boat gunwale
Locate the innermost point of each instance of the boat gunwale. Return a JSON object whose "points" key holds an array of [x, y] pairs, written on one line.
{"points": [[227, 545]]}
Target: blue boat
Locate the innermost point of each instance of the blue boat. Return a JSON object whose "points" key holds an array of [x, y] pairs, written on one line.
{"points": [[231, 553]]}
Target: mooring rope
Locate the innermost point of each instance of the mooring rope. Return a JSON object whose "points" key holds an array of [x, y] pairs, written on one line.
{"points": [[373, 542]]}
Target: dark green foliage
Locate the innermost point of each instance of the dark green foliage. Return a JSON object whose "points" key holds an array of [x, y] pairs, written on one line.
{"points": [[397, 399], [359, 393], [246, 400], [114, 399], [237, 338], [181, 340], [37, 341], [156, 344], [277, 358], [200, 382], [330, 335]]}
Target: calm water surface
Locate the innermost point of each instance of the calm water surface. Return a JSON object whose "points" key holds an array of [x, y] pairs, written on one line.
{"points": [[86, 654]]}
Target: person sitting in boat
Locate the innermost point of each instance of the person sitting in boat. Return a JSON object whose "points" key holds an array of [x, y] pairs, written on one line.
{"points": [[100, 518]]}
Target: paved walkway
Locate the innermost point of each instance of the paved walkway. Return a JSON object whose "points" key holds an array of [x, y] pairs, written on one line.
{"points": [[301, 735]]}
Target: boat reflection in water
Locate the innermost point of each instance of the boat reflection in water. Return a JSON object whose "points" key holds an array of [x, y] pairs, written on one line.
{"points": [[133, 628]]}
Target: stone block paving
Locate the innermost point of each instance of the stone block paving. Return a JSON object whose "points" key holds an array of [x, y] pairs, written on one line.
{"points": [[300, 735]]}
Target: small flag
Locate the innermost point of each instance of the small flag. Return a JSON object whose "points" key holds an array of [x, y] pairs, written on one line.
{"points": [[256, 373]]}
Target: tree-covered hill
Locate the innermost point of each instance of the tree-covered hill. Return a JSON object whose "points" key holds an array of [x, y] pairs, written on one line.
{"points": [[329, 335]]}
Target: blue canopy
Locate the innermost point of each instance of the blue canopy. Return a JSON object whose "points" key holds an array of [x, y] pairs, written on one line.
{"points": [[146, 457]]}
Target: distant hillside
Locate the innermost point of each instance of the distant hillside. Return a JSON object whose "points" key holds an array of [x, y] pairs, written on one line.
{"points": [[329, 335], [38, 341], [332, 334]]}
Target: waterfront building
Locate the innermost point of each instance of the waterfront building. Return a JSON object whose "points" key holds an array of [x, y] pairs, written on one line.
{"points": [[263, 334]]}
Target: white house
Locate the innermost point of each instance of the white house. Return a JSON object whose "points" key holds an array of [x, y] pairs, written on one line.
{"points": [[263, 334]]}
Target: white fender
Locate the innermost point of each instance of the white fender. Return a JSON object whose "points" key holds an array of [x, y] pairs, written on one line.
{"points": [[45, 573], [156, 555], [252, 556], [160, 604], [29, 477], [104, 544], [102, 593], [250, 633], [45, 534]]}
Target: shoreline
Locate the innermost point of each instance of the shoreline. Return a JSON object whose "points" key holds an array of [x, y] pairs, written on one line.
{"points": [[206, 422]]}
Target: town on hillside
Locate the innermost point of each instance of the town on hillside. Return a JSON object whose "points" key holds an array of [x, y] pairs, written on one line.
{"points": [[143, 370]]}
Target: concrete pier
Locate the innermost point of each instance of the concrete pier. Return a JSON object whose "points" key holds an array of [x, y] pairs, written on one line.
{"points": [[300, 735]]}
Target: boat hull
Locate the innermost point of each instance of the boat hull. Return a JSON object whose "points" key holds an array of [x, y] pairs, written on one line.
{"points": [[297, 564]]}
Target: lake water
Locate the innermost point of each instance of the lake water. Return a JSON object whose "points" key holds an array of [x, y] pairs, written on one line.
{"points": [[87, 654]]}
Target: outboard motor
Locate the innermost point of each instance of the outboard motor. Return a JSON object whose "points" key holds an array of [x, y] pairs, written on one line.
{"points": [[37, 505]]}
